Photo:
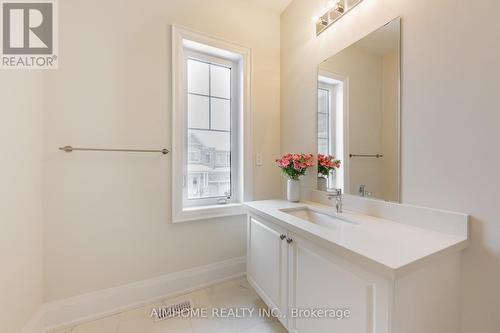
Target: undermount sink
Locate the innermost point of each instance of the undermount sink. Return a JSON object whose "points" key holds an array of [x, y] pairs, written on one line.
{"points": [[317, 216]]}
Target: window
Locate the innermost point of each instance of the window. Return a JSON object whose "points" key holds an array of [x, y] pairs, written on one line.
{"points": [[210, 131], [331, 108], [324, 129], [194, 155]]}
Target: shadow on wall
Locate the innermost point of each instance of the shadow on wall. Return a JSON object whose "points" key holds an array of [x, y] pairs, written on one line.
{"points": [[480, 269]]}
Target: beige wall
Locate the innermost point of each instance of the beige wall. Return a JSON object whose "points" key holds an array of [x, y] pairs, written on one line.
{"points": [[450, 116], [107, 215], [20, 198]]}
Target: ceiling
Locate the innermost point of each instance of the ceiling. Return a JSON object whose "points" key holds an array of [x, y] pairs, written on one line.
{"points": [[276, 5]]}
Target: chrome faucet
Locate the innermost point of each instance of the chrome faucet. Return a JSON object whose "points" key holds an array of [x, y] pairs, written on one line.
{"points": [[337, 194], [362, 190]]}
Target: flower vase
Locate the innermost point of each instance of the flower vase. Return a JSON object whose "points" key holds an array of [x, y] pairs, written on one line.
{"points": [[322, 184], [293, 190]]}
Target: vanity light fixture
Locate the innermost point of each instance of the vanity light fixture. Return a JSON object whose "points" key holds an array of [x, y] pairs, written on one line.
{"points": [[338, 9]]}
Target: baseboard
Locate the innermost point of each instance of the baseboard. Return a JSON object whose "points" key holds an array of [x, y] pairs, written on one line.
{"points": [[98, 304]]}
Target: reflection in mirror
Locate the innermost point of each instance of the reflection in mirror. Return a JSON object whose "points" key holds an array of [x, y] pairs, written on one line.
{"points": [[358, 115]]}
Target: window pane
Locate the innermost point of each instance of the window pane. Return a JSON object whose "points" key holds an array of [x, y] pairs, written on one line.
{"points": [[323, 125], [198, 111], [221, 114], [220, 81], [323, 101], [323, 146], [210, 175], [198, 77]]}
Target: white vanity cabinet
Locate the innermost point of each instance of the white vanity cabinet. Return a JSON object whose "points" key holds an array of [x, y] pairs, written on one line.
{"points": [[290, 274], [296, 274], [320, 280], [267, 262]]}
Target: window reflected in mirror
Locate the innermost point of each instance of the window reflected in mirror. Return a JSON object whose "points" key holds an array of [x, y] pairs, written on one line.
{"points": [[330, 122]]}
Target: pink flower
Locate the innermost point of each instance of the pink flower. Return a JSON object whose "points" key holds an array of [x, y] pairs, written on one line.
{"points": [[284, 162], [295, 165], [327, 163]]}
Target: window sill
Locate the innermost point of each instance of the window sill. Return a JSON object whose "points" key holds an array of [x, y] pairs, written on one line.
{"points": [[209, 212]]}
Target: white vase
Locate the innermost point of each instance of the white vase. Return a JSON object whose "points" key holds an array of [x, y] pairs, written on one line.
{"points": [[322, 184], [293, 190]]}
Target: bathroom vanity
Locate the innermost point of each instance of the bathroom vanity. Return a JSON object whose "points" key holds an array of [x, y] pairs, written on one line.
{"points": [[395, 268]]}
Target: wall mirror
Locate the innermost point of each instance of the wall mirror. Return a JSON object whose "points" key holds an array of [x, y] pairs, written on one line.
{"points": [[358, 115]]}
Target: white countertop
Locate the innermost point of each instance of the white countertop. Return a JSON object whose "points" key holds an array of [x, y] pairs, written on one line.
{"points": [[392, 247]]}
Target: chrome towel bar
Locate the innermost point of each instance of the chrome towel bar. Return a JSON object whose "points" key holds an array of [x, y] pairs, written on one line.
{"points": [[69, 149], [366, 155]]}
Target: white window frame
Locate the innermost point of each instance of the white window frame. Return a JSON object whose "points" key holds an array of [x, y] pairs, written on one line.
{"points": [[339, 124], [184, 43], [332, 91], [236, 178]]}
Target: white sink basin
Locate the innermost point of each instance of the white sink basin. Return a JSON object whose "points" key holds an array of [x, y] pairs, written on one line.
{"points": [[317, 216]]}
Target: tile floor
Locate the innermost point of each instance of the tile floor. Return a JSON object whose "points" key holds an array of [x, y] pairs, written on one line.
{"points": [[228, 295]]}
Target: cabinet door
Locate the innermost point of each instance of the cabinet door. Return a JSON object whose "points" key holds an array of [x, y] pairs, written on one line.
{"points": [[319, 280], [266, 262]]}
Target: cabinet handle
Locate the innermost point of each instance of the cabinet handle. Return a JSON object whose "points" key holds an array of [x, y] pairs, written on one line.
{"points": [[283, 237], [289, 240]]}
